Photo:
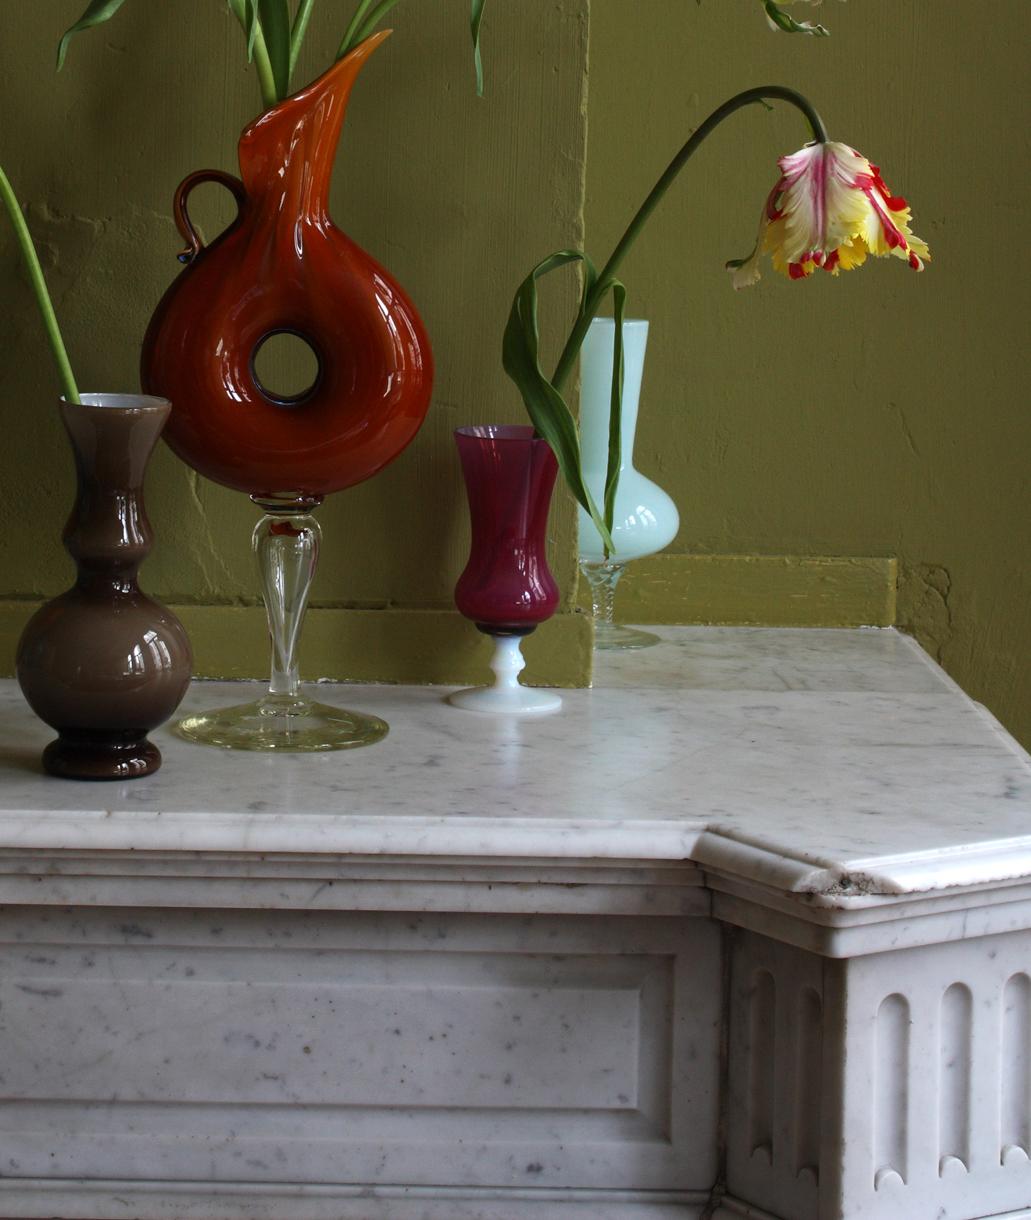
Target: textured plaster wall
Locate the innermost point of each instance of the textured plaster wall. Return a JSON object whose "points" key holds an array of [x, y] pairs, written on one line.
{"points": [[457, 196], [882, 413]]}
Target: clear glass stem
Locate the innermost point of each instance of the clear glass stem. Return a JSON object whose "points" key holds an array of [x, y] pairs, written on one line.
{"points": [[602, 579], [286, 546]]}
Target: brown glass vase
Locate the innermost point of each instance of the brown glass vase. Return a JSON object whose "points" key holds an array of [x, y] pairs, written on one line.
{"points": [[104, 664]]}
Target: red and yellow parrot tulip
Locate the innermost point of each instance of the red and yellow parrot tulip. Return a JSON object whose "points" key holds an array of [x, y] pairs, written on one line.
{"points": [[829, 209]]}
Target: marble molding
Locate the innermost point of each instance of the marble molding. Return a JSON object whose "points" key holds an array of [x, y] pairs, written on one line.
{"points": [[489, 971], [824, 762]]}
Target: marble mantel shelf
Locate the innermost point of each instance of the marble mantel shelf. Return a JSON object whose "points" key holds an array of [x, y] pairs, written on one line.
{"points": [[741, 932], [839, 765]]}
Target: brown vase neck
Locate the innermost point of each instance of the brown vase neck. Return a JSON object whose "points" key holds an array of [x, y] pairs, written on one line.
{"points": [[108, 534], [287, 153]]}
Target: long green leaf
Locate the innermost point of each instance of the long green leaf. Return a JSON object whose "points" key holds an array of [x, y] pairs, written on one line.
{"points": [[251, 26], [275, 26], [378, 14], [299, 29], [246, 13], [350, 38], [477, 16], [547, 409], [97, 12], [615, 459], [367, 16]]}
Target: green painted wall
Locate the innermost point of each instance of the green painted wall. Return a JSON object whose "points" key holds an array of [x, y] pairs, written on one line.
{"points": [[810, 433], [456, 195], [880, 414]]}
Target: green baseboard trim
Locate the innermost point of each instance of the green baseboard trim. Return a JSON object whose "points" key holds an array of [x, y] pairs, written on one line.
{"points": [[439, 646], [391, 645], [756, 591]]}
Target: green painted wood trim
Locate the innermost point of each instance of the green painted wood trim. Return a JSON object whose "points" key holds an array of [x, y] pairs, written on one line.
{"points": [[756, 590], [416, 646]]}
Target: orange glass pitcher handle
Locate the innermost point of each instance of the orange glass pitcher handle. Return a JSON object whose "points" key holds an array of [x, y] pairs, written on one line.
{"points": [[194, 241]]}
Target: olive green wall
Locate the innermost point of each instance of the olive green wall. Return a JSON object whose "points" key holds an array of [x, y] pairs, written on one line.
{"points": [[811, 433], [457, 196], [882, 413]]}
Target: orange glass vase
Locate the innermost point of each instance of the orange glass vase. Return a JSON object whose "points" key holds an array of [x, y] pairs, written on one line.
{"points": [[283, 266]]}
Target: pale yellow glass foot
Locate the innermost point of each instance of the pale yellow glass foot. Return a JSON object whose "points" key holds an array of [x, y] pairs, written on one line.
{"points": [[283, 723], [614, 636]]}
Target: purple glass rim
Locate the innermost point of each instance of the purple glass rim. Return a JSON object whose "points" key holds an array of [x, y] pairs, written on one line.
{"points": [[497, 432]]}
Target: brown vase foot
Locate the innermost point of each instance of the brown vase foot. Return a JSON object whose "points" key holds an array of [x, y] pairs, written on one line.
{"points": [[100, 756]]}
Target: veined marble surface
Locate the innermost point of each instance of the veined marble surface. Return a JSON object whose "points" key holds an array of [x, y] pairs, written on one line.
{"points": [[827, 762]]}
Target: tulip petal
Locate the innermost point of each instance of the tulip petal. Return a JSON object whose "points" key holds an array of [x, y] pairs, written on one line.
{"points": [[831, 209], [745, 271]]}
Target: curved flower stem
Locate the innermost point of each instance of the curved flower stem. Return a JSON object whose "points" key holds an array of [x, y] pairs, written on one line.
{"points": [[39, 287], [592, 301]]}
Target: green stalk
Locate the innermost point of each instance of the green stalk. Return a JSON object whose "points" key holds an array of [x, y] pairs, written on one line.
{"points": [[592, 301], [39, 287], [298, 31], [350, 38], [262, 64], [378, 14]]}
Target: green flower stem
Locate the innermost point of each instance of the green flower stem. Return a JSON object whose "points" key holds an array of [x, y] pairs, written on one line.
{"points": [[263, 65], [593, 300], [266, 78], [351, 38], [378, 14], [298, 31], [39, 287]]}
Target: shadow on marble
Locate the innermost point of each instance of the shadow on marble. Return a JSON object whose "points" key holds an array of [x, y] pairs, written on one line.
{"points": [[21, 758]]}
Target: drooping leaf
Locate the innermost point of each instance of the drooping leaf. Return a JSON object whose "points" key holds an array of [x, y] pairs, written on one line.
{"points": [[97, 12], [615, 458], [781, 20], [477, 16], [547, 409], [275, 28]]}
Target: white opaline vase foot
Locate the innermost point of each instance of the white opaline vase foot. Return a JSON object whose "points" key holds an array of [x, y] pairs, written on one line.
{"points": [[506, 697]]}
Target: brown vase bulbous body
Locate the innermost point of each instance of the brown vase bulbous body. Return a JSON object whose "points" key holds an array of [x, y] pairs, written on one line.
{"points": [[104, 663], [283, 266]]}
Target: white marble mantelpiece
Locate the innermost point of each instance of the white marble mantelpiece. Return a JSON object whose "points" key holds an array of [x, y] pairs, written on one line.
{"points": [[484, 969], [838, 764]]}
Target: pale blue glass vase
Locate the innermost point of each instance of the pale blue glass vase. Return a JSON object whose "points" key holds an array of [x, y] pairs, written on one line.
{"points": [[646, 519]]}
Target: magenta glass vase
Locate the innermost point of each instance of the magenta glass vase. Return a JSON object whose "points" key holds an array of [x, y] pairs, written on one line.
{"points": [[507, 587]]}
